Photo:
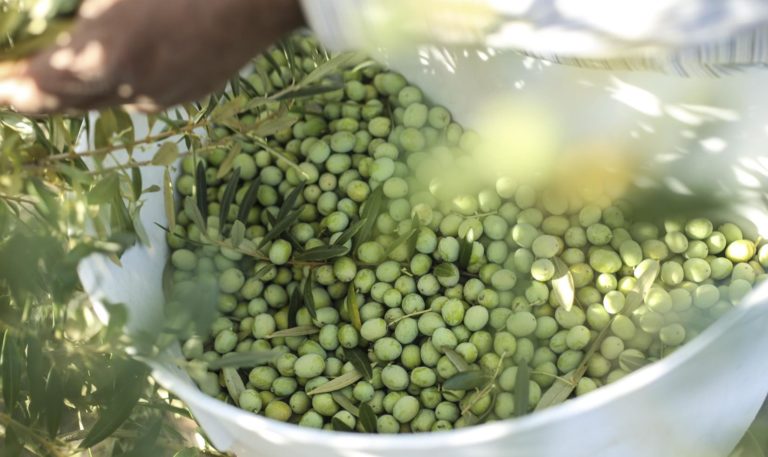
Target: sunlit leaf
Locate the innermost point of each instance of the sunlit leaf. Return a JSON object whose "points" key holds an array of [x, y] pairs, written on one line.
{"points": [[367, 418], [302, 330], [243, 360], [352, 306], [226, 165], [562, 285], [344, 401], [338, 383], [167, 154], [522, 385], [170, 210], [233, 382], [467, 380], [359, 359], [456, 359]]}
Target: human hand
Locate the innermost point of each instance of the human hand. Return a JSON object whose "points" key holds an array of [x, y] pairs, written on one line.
{"points": [[148, 53]]}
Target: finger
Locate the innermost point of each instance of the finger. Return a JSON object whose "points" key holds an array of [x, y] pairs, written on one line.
{"points": [[19, 90]]}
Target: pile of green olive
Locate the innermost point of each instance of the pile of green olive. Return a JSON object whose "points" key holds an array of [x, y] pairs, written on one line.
{"points": [[383, 306]]}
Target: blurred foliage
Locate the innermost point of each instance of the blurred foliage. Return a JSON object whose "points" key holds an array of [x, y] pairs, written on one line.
{"points": [[70, 187]]}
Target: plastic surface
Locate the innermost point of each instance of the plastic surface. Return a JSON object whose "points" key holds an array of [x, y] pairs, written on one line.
{"points": [[696, 402]]}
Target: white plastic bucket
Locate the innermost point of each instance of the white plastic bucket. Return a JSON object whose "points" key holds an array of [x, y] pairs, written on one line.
{"points": [[697, 402]]}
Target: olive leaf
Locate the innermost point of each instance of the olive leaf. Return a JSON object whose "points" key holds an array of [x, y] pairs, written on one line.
{"points": [[294, 304], [465, 253], [280, 227], [331, 66], [359, 359], [281, 120], [193, 212], [371, 210], [249, 200], [456, 359], [321, 253], [630, 362], [309, 299], [262, 271], [237, 233], [228, 197], [136, 183], [564, 386], [351, 231], [310, 91], [166, 154], [562, 285], [339, 426], [352, 307], [290, 200], [344, 401], [338, 383], [201, 190], [367, 418], [170, 212], [647, 277], [226, 165], [11, 371], [445, 270], [243, 360], [522, 386], [234, 383], [302, 330], [467, 380]]}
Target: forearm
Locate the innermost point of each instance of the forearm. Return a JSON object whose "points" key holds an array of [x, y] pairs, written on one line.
{"points": [[153, 53]]}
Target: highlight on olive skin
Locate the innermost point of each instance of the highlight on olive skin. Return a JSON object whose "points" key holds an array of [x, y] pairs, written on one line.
{"points": [[384, 300]]}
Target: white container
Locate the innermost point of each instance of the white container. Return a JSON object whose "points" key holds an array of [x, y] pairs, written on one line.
{"points": [[697, 402]]}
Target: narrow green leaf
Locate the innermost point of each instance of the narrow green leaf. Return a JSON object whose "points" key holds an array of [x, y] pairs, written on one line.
{"points": [[331, 66], [233, 382], [351, 231], [130, 381], [290, 200], [631, 363], [228, 197], [344, 401], [243, 360], [262, 271], [559, 391], [54, 403], [227, 111], [201, 190], [367, 418], [352, 306], [193, 212], [321, 253], [302, 330], [136, 183], [226, 165], [338, 383], [281, 120], [373, 207], [104, 190], [309, 91], [248, 200], [11, 366], [166, 155], [466, 380], [36, 372], [647, 277], [456, 359], [339, 426], [237, 233], [445, 270], [359, 359], [203, 113], [187, 452], [522, 386], [309, 299], [280, 227], [170, 210], [562, 285], [104, 129], [465, 253], [294, 304]]}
